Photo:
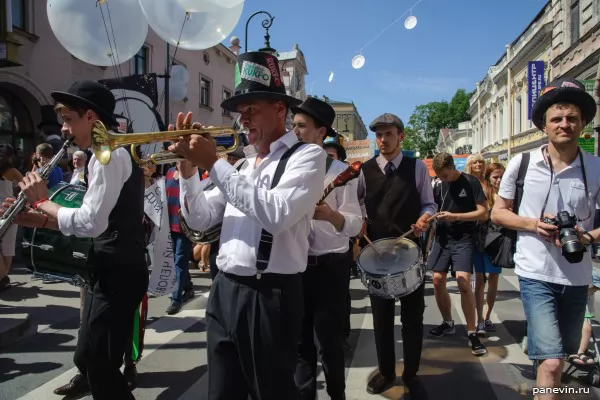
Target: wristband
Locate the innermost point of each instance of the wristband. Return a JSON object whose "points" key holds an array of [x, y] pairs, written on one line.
{"points": [[589, 236], [45, 222], [37, 203]]}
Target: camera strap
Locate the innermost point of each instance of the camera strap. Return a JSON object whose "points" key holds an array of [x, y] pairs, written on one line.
{"points": [[585, 184]]}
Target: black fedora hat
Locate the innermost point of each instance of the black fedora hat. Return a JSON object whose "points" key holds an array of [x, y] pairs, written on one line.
{"points": [[563, 91], [257, 77], [92, 95], [48, 117], [320, 111]]}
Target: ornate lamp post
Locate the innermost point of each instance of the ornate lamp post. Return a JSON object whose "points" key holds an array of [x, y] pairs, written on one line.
{"points": [[266, 23]]}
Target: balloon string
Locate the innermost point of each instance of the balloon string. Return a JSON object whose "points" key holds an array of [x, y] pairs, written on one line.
{"points": [[388, 27], [118, 64], [370, 42], [169, 67]]}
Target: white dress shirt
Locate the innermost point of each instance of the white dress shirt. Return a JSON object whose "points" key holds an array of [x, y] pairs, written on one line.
{"points": [[324, 238], [535, 258], [428, 204], [104, 187], [245, 205], [77, 176]]}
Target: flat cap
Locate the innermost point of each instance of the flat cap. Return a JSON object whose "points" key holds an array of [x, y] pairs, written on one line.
{"points": [[387, 119]]}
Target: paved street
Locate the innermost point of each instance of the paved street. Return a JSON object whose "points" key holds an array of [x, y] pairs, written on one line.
{"points": [[174, 364]]}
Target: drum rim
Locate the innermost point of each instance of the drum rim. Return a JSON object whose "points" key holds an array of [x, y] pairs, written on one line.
{"points": [[418, 261]]}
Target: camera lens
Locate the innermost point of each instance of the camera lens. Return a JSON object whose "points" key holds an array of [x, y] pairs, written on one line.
{"points": [[572, 248]]}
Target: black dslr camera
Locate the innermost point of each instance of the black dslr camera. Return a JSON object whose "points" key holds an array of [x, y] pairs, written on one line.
{"points": [[572, 248]]}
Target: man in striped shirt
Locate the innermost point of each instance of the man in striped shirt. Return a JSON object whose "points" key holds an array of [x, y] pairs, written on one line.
{"points": [[182, 246]]}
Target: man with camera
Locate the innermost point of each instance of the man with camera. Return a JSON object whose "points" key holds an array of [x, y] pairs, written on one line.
{"points": [[556, 211]]}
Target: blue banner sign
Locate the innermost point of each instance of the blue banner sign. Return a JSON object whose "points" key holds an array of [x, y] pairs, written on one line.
{"points": [[535, 83]]}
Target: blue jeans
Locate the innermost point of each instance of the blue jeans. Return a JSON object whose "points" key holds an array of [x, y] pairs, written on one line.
{"points": [[554, 316], [182, 249]]}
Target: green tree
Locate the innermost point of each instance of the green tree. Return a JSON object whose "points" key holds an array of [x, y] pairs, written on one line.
{"points": [[423, 128]]}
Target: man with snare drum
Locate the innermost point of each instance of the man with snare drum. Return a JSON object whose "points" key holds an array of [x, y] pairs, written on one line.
{"points": [[398, 196]]}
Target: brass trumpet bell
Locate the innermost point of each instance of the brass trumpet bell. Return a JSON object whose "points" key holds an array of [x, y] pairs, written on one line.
{"points": [[104, 142]]}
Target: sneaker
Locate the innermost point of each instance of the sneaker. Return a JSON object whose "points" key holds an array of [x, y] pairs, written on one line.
{"points": [[481, 329], [173, 309], [444, 329], [489, 326], [477, 347]]}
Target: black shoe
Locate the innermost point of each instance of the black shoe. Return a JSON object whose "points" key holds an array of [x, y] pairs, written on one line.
{"points": [[77, 386], [188, 295], [174, 308], [477, 347], [415, 388], [379, 384], [130, 373]]}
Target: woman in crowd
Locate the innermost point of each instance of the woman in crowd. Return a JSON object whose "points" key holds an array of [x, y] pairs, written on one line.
{"points": [[9, 177], [492, 177]]}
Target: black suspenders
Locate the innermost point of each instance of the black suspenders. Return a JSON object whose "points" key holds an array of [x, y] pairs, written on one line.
{"points": [[266, 239]]}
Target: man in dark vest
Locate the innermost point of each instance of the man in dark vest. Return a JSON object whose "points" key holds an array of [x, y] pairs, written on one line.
{"points": [[111, 214], [397, 196], [327, 276], [255, 309]]}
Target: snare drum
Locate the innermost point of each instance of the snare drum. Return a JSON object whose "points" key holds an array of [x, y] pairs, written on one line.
{"points": [[54, 255], [396, 273]]}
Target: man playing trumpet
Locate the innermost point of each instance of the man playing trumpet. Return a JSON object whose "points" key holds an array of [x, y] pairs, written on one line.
{"points": [[111, 214], [254, 312]]}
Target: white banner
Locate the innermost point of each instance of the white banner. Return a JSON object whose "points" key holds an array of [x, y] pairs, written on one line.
{"points": [[163, 278]]}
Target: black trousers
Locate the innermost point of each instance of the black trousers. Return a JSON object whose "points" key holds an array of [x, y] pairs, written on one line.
{"points": [[323, 328], [411, 316], [108, 312], [253, 327]]}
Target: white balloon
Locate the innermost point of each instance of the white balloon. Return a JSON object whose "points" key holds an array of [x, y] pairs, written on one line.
{"points": [[178, 83], [79, 26], [358, 61], [410, 22], [207, 5], [201, 30]]}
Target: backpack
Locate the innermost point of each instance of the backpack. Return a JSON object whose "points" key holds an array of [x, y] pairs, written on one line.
{"points": [[501, 243]]}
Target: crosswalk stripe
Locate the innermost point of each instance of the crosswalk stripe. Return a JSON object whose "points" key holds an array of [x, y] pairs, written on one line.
{"points": [[157, 335]]}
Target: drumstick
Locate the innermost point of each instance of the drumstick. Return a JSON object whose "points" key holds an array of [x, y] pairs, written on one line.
{"points": [[412, 230], [372, 245]]}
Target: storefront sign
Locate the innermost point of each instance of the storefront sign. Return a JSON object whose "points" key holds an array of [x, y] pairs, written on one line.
{"points": [[535, 83]]}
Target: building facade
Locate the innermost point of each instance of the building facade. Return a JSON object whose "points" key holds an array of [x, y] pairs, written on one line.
{"points": [[348, 123], [565, 35], [38, 65], [499, 108], [456, 141]]}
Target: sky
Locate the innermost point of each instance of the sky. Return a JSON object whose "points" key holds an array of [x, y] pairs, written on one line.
{"points": [[452, 46]]}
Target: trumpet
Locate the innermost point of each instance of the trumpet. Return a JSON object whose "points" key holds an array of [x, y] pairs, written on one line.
{"points": [[104, 142]]}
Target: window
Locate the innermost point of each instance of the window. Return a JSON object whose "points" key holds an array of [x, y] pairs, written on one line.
{"points": [[19, 14], [16, 128], [501, 134], [226, 95], [518, 108], [140, 61], [205, 92], [574, 21]]}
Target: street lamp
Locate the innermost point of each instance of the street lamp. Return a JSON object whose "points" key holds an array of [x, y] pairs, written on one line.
{"points": [[345, 117], [267, 22]]}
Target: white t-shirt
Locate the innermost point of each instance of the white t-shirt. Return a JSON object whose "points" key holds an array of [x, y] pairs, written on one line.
{"points": [[535, 258]]}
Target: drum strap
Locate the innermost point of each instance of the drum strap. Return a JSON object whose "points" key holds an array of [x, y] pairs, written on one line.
{"points": [[266, 239]]}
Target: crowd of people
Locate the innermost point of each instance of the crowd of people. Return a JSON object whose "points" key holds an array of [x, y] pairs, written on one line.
{"points": [[288, 220]]}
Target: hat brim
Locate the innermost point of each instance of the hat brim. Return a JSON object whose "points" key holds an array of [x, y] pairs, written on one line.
{"points": [[300, 109], [581, 99], [48, 123], [65, 97], [231, 103]]}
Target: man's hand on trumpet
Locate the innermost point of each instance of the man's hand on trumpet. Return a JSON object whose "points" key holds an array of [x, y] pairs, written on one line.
{"points": [[199, 150]]}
